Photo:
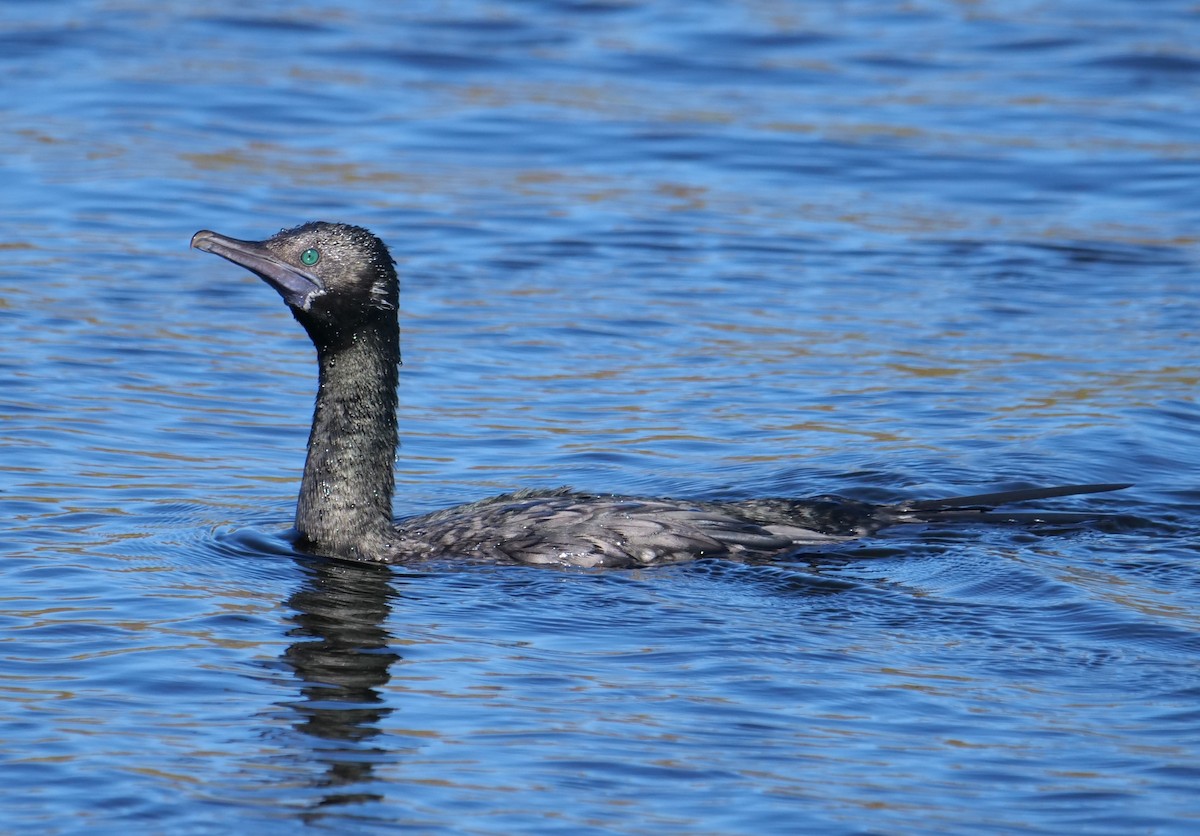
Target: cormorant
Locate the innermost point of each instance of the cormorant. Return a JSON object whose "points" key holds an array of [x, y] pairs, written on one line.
{"points": [[340, 283]]}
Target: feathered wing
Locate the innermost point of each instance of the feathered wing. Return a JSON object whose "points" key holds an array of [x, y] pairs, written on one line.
{"points": [[559, 527], [565, 528]]}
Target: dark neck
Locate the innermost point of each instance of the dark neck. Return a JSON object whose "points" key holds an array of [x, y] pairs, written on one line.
{"points": [[345, 505]]}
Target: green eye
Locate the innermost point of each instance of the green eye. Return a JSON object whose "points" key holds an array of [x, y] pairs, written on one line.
{"points": [[310, 257]]}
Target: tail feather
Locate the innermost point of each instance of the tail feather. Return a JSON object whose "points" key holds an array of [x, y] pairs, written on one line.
{"points": [[982, 507], [988, 501]]}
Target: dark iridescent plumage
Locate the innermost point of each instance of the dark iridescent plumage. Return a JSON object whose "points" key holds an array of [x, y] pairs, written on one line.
{"points": [[340, 283]]}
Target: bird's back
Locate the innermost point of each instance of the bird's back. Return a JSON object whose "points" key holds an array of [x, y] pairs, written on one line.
{"points": [[567, 528]]}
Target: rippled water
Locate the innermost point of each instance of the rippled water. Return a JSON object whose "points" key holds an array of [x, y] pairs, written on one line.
{"points": [[715, 249]]}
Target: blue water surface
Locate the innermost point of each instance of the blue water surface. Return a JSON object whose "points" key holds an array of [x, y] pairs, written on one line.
{"points": [[715, 249]]}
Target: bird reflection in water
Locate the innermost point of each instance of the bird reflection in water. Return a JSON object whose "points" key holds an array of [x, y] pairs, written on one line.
{"points": [[341, 655]]}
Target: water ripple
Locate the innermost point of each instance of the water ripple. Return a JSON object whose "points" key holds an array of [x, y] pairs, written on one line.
{"points": [[715, 250]]}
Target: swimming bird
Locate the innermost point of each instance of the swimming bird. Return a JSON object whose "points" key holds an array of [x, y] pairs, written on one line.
{"points": [[341, 285]]}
